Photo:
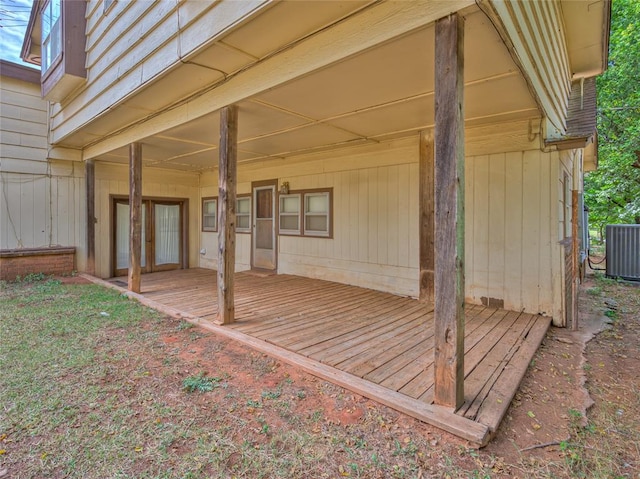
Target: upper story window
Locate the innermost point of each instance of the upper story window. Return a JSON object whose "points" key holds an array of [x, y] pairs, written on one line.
{"points": [[55, 39], [51, 33]]}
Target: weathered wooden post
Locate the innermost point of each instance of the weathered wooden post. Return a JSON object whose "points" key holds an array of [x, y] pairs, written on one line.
{"points": [[227, 173], [449, 212], [135, 216]]}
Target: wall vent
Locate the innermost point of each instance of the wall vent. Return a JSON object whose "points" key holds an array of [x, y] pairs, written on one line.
{"points": [[623, 251]]}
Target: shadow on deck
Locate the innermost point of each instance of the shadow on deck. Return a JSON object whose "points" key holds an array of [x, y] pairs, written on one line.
{"points": [[373, 343]]}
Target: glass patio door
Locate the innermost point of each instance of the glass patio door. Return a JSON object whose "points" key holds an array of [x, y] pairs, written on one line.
{"points": [[162, 232], [122, 239], [167, 235]]}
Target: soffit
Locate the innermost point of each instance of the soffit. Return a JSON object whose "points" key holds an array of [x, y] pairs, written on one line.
{"points": [[385, 92], [587, 31]]}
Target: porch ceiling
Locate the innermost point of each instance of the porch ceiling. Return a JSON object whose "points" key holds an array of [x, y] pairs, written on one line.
{"points": [[385, 92]]}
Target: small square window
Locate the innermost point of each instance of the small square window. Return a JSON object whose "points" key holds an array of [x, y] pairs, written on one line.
{"points": [[316, 214], [209, 214], [243, 214], [289, 214]]}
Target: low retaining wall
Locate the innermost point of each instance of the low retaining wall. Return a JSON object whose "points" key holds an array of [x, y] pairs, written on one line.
{"points": [[21, 262]]}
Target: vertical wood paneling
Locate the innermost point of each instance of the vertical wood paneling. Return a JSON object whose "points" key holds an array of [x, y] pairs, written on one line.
{"points": [[480, 225], [496, 222], [372, 236], [514, 181], [469, 234], [353, 212], [403, 215], [383, 222], [511, 222], [545, 297], [25, 218], [363, 215], [393, 212], [413, 217], [532, 225]]}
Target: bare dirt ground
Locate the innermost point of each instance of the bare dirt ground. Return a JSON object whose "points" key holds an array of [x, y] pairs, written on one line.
{"points": [[576, 413]]}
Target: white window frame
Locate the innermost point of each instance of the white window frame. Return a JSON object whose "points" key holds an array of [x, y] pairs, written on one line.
{"points": [[51, 35], [208, 215], [240, 229], [289, 214], [326, 213]]}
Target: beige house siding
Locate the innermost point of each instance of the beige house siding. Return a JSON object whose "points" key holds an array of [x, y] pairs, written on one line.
{"points": [[41, 200], [112, 179], [23, 127], [536, 33], [133, 44], [510, 233], [512, 250], [229, 65]]}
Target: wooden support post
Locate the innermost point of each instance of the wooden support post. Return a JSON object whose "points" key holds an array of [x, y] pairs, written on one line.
{"points": [[135, 216], [449, 213], [427, 226], [227, 212], [90, 181]]}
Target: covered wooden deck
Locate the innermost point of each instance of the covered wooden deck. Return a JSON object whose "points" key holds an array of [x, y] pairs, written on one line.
{"points": [[376, 344]]}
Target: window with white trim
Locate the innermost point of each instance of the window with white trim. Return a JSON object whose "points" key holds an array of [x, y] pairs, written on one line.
{"points": [[316, 214], [289, 214], [243, 214], [51, 33], [209, 214]]}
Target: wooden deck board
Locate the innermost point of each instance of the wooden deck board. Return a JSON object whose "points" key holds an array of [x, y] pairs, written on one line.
{"points": [[375, 343]]}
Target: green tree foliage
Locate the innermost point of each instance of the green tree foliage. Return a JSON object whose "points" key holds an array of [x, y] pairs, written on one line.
{"points": [[613, 191]]}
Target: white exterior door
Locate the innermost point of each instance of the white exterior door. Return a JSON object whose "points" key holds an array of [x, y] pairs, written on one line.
{"points": [[264, 231]]}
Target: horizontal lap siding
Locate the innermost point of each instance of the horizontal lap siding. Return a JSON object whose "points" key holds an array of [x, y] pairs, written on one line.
{"points": [[135, 43], [39, 200], [537, 33], [23, 126]]}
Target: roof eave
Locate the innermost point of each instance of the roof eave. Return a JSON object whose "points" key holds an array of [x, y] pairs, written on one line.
{"points": [[26, 54]]}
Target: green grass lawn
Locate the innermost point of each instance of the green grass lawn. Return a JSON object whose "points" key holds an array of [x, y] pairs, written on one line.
{"points": [[89, 390]]}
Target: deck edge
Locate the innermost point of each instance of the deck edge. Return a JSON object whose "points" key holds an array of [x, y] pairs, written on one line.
{"points": [[443, 418], [438, 416], [531, 347]]}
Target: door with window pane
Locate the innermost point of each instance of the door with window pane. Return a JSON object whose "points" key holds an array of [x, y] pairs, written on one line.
{"points": [[121, 244], [162, 236], [264, 232], [167, 236]]}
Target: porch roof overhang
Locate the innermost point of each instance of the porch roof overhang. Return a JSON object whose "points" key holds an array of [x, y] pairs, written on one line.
{"points": [[31, 45], [380, 93], [581, 117], [587, 31]]}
